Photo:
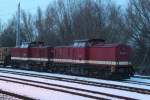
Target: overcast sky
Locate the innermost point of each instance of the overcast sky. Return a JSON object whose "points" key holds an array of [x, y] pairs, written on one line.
{"points": [[9, 7]]}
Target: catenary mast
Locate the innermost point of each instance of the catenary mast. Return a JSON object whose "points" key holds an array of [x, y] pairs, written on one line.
{"points": [[18, 27]]}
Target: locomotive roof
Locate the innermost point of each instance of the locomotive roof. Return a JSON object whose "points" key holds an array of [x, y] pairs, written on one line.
{"points": [[63, 46], [90, 40], [110, 45], [99, 45]]}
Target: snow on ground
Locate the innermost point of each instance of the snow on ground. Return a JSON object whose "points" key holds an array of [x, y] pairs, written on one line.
{"points": [[140, 80], [8, 97], [83, 78], [142, 76], [92, 88], [37, 93], [72, 90]]}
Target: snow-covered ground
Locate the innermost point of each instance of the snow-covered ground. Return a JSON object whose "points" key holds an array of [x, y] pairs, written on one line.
{"points": [[8, 97], [80, 86], [83, 78], [142, 76], [140, 80], [37, 93]]}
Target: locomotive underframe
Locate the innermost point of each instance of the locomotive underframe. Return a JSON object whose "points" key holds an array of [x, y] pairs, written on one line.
{"points": [[89, 70], [30, 65], [98, 71]]}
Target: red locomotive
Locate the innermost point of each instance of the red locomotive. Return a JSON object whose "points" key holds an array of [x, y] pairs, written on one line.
{"points": [[91, 57], [94, 58]]}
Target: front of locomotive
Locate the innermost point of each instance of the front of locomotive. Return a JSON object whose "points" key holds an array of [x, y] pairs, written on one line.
{"points": [[124, 66]]}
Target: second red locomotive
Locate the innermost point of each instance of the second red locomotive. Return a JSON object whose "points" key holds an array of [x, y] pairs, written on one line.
{"points": [[91, 57]]}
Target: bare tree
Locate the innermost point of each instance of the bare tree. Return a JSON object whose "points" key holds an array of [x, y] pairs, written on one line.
{"points": [[138, 19], [39, 23], [8, 36], [51, 35], [115, 24], [28, 28]]}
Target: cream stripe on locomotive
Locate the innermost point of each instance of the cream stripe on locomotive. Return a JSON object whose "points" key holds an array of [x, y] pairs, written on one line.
{"points": [[24, 59], [75, 61], [92, 62]]}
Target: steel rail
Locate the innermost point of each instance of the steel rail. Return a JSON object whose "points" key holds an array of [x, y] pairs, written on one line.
{"points": [[16, 95], [136, 82], [66, 87], [142, 77], [49, 88], [98, 84]]}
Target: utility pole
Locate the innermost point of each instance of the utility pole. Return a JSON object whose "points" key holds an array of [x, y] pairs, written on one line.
{"points": [[18, 27]]}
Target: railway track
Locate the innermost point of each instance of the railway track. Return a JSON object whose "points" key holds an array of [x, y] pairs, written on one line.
{"points": [[16, 95], [137, 82], [140, 80], [98, 84], [142, 77], [66, 89]]}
